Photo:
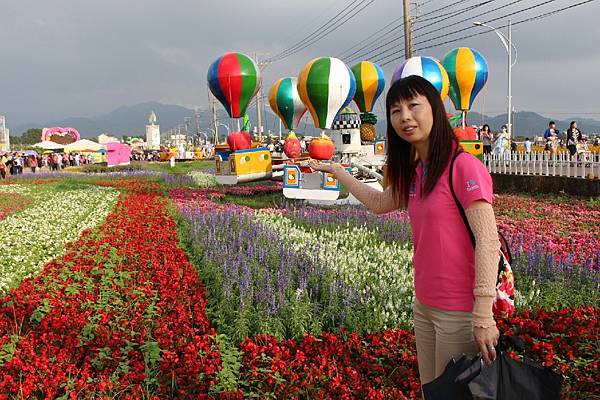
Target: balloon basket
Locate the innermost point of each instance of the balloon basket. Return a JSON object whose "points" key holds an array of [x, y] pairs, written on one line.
{"points": [[242, 166]]}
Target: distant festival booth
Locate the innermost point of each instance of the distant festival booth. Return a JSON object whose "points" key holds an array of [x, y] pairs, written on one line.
{"points": [[117, 154], [60, 135]]}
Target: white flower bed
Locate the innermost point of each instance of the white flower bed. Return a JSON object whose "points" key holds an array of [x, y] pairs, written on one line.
{"points": [[383, 270], [31, 238], [14, 188], [202, 179]]}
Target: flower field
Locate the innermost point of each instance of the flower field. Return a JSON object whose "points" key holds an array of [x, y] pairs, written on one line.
{"points": [[168, 286], [39, 232]]}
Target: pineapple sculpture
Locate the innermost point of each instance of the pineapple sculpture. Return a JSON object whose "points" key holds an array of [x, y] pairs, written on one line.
{"points": [[367, 127]]}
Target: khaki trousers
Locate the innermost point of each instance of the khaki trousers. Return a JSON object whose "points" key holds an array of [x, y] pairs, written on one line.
{"points": [[441, 336]]}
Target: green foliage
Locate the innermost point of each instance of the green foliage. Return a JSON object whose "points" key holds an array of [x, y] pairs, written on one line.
{"points": [[181, 167], [102, 168], [257, 201], [231, 362], [31, 136]]}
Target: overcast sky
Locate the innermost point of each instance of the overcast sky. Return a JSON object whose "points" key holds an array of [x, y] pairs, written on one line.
{"points": [[68, 58]]}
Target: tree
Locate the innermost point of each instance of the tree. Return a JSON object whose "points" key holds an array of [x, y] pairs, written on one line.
{"points": [[31, 136]]}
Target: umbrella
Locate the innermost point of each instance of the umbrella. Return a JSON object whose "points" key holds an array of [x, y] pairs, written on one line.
{"points": [[31, 153], [101, 151]]}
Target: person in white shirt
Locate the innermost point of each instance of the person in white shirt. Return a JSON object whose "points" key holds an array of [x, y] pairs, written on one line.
{"points": [[527, 145]]}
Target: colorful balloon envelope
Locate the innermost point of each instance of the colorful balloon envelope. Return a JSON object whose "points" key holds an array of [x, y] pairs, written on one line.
{"points": [[468, 73], [425, 67], [286, 103], [370, 82], [234, 79], [326, 85]]}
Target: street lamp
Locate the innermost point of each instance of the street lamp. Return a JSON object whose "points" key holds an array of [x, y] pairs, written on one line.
{"points": [[509, 46]]}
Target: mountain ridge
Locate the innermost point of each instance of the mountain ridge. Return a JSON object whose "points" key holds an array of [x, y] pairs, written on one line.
{"points": [[130, 120]]}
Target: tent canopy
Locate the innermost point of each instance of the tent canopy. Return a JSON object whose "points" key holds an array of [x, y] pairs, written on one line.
{"points": [[49, 145], [83, 144]]}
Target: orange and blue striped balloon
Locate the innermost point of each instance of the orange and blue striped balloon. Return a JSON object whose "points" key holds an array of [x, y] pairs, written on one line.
{"points": [[286, 103], [468, 73], [369, 84]]}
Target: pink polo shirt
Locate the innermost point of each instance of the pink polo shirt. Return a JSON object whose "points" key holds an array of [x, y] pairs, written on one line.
{"points": [[444, 258]]}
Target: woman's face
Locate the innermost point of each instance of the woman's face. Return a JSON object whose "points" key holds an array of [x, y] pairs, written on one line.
{"points": [[413, 119], [574, 125]]}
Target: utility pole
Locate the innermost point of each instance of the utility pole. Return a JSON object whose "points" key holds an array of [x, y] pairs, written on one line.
{"points": [[407, 30], [197, 117], [258, 100], [214, 115], [261, 65], [510, 62]]}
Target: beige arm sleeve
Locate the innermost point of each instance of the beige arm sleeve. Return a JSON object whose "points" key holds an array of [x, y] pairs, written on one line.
{"points": [[376, 201], [483, 224]]}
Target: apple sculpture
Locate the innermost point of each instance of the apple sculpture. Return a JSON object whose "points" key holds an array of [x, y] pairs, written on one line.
{"points": [[321, 148], [239, 141], [468, 133], [248, 136], [291, 146]]}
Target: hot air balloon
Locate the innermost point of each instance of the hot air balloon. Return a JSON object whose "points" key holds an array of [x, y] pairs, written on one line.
{"points": [[369, 85], [468, 72], [326, 85], [234, 79], [425, 67], [286, 103]]}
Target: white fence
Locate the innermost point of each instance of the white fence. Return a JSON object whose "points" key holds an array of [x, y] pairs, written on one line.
{"points": [[544, 164]]}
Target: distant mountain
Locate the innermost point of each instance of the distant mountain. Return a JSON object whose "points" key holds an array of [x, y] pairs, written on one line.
{"points": [[526, 123], [126, 120], [131, 121]]}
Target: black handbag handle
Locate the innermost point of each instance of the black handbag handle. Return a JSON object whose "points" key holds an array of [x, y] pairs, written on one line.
{"points": [[458, 205], [504, 343]]}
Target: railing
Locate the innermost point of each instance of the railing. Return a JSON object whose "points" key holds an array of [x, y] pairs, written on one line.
{"points": [[544, 164]]}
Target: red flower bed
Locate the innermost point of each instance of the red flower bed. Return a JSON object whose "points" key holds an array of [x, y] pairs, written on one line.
{"points": [[121, 314], [567, 341], [10, 203], [384, 366], [346, 366]]}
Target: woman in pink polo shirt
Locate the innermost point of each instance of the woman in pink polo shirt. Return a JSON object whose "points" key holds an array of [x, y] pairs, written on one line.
{"points": [[454, 283]]}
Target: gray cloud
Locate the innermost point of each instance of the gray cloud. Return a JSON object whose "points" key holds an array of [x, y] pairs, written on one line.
{"points": [[83, 58]]}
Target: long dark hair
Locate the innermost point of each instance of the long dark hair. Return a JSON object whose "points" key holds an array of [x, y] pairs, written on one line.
{"points": [[401, 155]]}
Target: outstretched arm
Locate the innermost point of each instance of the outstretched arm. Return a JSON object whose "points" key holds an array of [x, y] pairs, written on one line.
{"points": [[376, 201]]}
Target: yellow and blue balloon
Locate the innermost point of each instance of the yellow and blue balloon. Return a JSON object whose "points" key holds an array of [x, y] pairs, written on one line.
{"points": [[370, 82]]}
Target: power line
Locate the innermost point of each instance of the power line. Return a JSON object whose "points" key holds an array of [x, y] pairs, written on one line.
{"points": [[461, 21], [341, 55], [537, 17], [344, 55], [316, 36], [310, 35], [465, 19], [446, 7], [370, 50], [468, 28], [488, 21]]}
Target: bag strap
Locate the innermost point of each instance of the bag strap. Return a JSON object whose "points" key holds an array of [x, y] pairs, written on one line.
{"points": [[461, 210]]}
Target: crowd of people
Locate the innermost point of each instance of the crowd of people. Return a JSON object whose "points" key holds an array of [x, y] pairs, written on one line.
{"points": [[14, 163], [500, 144]]}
